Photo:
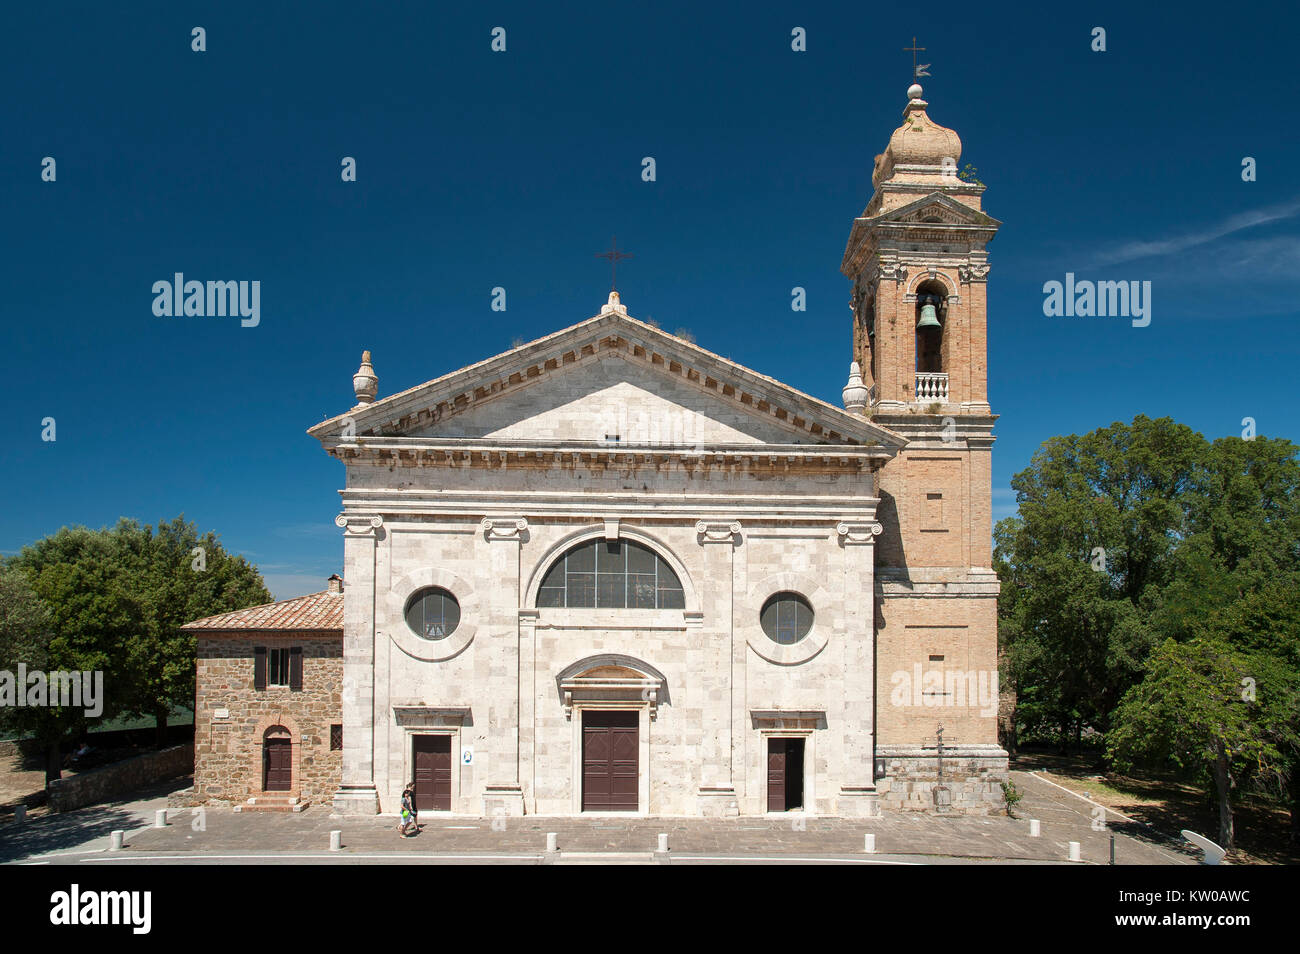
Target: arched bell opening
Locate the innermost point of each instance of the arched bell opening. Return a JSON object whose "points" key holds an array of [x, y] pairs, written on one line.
{"points": [[931, 319]]}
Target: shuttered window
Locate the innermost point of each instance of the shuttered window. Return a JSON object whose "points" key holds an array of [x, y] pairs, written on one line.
{"points": [[259, 667], [295, 669]]}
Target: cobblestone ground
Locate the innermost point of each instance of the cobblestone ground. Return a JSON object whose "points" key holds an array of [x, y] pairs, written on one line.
{"points": [[222, 832]]}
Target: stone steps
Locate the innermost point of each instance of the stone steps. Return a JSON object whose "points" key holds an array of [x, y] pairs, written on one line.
{"points": [[272, 803]]}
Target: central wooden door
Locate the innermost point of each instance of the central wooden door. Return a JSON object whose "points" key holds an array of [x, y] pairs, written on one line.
{"points": [[277, 765], [433, 773], [610, 750], [784, 774]]}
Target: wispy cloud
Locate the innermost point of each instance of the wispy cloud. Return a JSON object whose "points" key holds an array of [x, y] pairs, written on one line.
{"points": [[1131, 251]]}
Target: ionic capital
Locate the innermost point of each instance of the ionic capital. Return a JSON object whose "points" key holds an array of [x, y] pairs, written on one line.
{"points": [[858, 532], [359, 525], [717, 531], [508, 528]]}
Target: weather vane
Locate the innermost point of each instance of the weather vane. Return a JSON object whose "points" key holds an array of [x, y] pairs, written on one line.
{"points": [[921, 69], [614, 256]]}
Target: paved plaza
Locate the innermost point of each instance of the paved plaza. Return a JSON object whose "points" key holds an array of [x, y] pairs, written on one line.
{"points": [[223, 836]]}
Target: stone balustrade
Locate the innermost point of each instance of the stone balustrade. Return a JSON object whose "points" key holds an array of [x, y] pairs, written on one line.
{"points": [[931, 386]]}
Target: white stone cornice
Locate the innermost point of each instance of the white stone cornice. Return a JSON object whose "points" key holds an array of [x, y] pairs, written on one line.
{"points": [[717, 531], [358, 525], [511, 528], [858, 532]]}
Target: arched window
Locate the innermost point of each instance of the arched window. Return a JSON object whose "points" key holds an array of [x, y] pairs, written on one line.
{"points": [[611, 574]]}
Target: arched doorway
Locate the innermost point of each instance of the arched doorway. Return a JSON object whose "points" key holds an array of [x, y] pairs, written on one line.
{"points": [[277, 760]]}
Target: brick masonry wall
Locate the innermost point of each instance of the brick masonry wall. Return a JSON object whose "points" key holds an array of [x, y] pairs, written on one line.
{"points": [[228, 751]]}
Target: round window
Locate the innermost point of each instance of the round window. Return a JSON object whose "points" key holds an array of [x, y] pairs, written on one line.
{"points": [[786, 618], [433, 613]]}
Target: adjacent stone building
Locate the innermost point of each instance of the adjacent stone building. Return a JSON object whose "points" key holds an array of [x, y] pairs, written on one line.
{"points": [[612, 571], [268, 727]]}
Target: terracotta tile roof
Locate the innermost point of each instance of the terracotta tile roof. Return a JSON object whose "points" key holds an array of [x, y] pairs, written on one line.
{"points": [[315, 611]]}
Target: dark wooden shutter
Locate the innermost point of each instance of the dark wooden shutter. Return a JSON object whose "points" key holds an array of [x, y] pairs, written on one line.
{"points": [[295, 669], [259, 667]]}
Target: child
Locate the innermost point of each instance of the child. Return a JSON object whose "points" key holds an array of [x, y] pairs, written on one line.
{"points": [[406, 814]]}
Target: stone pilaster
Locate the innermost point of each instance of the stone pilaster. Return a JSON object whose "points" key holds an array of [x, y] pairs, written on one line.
{"points": [[854, 741], [528, 708], [357, 794], [503, 793], [717, 788]]}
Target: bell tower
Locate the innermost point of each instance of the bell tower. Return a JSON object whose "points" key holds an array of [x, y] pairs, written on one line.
{"points": [[918, 260]]}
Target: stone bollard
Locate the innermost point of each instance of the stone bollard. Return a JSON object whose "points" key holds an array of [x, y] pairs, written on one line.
{"points": [[552, 841], [1074, 852], [20, 813], [869, 843], [663, 842], [336, 840], [115, 840], [160, 818], [1034, 829]]}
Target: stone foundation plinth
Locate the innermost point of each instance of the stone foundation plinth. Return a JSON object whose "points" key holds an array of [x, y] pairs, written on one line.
{"points": [[503, 800], [356, 800], [718, 802], [970, 783]]}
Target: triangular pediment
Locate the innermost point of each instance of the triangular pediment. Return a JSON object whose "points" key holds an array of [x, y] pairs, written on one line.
{"points": [[935, 209], [933, 218], [611, 376]]}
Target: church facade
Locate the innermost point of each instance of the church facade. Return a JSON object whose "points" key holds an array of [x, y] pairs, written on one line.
{"points": [[612, 571]]}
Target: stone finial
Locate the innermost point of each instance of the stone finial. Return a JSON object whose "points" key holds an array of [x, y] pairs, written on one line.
{"points": [[914, 91], [855, 392], [613, 305], [364, 382]]}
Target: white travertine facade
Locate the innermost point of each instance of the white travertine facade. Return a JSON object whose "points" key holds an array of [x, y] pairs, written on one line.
{"points": [[877, 517]]}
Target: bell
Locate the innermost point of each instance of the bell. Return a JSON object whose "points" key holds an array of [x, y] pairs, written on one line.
{"points": [[928, 317]]}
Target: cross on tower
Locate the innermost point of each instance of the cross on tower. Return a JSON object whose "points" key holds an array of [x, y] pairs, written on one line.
{"points": [[614, 256], [917, 71]]}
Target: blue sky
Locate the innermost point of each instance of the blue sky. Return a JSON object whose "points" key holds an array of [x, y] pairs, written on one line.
{"points": [[479, 169]]}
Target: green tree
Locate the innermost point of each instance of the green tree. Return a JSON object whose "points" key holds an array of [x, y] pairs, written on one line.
{"points": [[115, 600], [1238, 574], [91, 616], [176, 576], [1100, 517], [24, 640], [1214, 711]]}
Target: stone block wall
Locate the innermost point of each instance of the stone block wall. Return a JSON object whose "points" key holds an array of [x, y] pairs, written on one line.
{"points": [[971, 783], [120, 778], [231, 717]]}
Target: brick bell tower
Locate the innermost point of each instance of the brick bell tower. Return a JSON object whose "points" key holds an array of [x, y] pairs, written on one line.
{"points": [[918, 260]]}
